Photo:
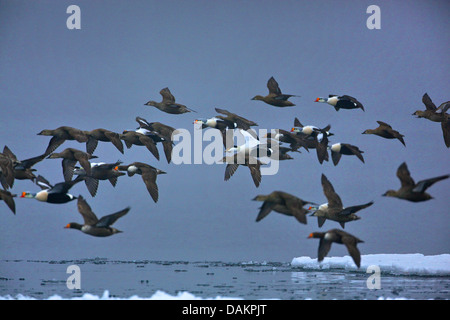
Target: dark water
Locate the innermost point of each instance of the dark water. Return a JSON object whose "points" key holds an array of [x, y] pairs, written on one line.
{"points": [[208, 280]]}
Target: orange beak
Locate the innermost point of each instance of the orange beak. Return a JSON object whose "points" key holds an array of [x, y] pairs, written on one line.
{"points": [[67, 226], [23, 194], [317, 100], [292, 130], [310, 236]]}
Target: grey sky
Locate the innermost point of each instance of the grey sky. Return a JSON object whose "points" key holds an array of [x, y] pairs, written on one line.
{"points": [[221, 54]]}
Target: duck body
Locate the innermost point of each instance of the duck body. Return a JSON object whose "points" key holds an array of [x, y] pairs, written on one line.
{"points": [[61, 134], [148, 174], [139, 139], [341, 102], [100, 134], [168, 103], [100, 171], [284, 203], [410, 190], [275, 97], [340, 237], [384, 130], [339, 149], [70, 157], [57, 194], [436, 114]]}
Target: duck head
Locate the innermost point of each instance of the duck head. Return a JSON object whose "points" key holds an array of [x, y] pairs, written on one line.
{"points": [[258, 97]]}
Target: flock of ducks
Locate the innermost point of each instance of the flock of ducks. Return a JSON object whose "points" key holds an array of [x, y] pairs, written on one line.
{"points": [[250, 154]]}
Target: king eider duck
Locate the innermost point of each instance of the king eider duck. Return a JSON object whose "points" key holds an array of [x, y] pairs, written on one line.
{"points": [[384, 130], [70, 157], [61, 134], [337, 236], [334, 209], [338, 149], [92, 225], [341, 102], [59, 193]]}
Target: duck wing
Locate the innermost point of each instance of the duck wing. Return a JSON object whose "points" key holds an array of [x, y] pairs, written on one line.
{"points": [[334, 201], [324, 248], [85, 210], [423, 185], [68, 166], [405, 177], [167, 95], [273, 86], [354, 209], [108, 220], [265, 209], [8, 198], [350, 243], [255, 173], [149, 144], [429, 105], [149, 178]]}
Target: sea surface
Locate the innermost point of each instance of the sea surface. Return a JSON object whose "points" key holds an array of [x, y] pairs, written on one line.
{"points": [[101, 278]]}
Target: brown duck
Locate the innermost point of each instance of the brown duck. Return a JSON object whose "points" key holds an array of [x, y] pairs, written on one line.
{"points": [[168, 103], [136, 138], [337, 236], [275, 97], [334, 209], [70, 157], [61, 134], [436, 114], [96, 135], [23, 168], [384, 130], [148, 174], [410, 190], [94, 226], [284, 203]]}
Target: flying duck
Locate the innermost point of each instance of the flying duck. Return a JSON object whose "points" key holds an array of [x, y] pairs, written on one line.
{"points": [[295, 141], [284, 203], [70, 157], [148, 174], [96, 135], [238, 121], [384, 130], [314, 138], [334, 209], [160, 133], [410, 190], [99, 171], [52, 194], [436, 114], [139, 139], [168, 103], [8, 198], [341, 102], [275, 97], [337, 236], [23, 168], [92, 225], [338, 149], [252, 145], [253, 164], [61, 134]]}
